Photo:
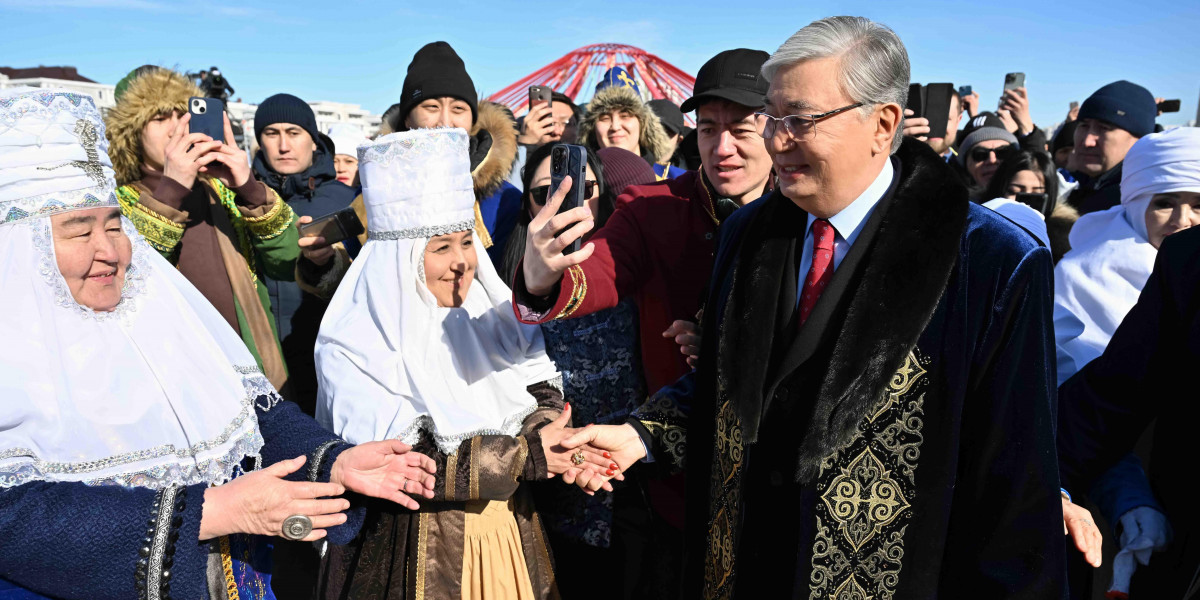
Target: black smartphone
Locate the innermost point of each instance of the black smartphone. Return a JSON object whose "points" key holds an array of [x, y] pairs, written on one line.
{"points": [[964, 91], [916, 100], [1039, 202], [207, 117], [569, 160], [937, 108], [538, 94], [335, 227], [1167, 106], [1013, 81]]}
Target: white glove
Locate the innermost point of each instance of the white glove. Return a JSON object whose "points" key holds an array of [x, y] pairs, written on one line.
{"points": [[1143, 532]]}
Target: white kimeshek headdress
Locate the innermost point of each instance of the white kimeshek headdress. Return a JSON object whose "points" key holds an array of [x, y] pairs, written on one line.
{"points": [[1111, 257], [390, 362], [157, 392]]}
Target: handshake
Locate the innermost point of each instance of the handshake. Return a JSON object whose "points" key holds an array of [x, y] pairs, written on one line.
{"points": [[590, 457]]}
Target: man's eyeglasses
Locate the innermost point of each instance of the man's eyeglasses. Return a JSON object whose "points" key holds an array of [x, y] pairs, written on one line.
{"points": [[981, 154], [801, 128], [540, 193]]}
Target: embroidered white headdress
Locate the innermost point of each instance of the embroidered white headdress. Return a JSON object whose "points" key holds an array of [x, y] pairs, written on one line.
{"points": [[390, 361], [157, 392]]}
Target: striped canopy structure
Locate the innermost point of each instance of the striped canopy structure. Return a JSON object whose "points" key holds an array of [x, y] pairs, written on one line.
{"points": [[577, 73]]}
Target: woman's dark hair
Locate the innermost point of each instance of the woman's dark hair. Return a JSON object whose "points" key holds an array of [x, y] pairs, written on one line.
{"points": [[1023, 160], [514, 251]]}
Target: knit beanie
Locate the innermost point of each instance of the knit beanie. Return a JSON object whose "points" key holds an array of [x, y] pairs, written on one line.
{"points": [[284, 108], [1064, 137], [985, 126], [623, 168], [437, 71], [1126, 105]]}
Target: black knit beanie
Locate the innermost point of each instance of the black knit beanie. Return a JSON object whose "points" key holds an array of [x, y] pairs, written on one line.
{"points": [[437, 71], [284, 108]]}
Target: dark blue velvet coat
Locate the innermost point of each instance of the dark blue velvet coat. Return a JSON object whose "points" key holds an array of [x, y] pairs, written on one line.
{"points": [[75, 541], [901, 443]]}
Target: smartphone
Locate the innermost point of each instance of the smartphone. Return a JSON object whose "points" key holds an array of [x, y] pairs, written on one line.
{"points": [[1013, 81], [1167, 106], [1039, 202], [964, 91], [538, 94], [937, 108], [207, 117], [569, 160], [335, 227], [916, 100]]}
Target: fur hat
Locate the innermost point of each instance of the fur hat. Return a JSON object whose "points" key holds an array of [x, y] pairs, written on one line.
{"points": [[653, 138], [154, 93]]}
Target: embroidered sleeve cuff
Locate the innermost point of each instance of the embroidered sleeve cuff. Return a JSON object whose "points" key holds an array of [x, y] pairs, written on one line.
{"points": [[274, 222], [321, 460], [252, 195], [161, 232], [152, 575]]}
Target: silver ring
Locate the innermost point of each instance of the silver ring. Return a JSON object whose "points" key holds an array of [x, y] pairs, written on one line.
{"points": [[403, 483], [297, 527]]}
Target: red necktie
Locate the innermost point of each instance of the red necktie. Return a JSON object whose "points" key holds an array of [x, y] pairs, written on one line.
{"points": [[821, 270]]}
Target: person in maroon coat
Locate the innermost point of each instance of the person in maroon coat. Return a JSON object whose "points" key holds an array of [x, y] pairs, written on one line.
{"points": [[658, 245]]}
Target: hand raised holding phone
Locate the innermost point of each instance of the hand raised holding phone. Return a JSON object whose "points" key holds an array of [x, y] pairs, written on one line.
{"points": [[544, 262]]}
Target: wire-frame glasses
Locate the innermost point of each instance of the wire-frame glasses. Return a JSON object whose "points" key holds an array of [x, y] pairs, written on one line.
{"points": [[801, 128]]}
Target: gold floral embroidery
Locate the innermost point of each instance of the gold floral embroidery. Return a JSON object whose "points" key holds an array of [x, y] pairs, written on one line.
{"points": [[667, 425], [275, 222], [162, 233], [866, 491], [719, 568]]}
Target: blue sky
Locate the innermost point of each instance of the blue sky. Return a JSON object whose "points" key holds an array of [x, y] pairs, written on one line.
{"points": [[359, 51]]}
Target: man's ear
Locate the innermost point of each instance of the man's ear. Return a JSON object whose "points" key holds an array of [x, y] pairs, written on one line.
{"points": [[888, 118]]}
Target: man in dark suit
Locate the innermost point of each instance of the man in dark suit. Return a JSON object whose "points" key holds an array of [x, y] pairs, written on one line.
{"points": [[872, 414], [1106, 406]]}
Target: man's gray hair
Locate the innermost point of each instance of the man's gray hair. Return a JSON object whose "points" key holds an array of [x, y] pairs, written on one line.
{"points": [[874, 63]]}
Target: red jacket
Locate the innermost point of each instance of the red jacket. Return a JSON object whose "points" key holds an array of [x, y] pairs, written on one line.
{"points": [[657, 247]]}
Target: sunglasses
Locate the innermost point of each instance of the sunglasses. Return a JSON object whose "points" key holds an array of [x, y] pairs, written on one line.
{"points": [[541, 192], [982, 154]]}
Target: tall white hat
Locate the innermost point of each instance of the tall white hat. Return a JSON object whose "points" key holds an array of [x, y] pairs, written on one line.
{"points": [[417, 184]]}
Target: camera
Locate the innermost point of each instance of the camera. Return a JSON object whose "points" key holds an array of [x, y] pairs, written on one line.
{"points": [[198, 106]]}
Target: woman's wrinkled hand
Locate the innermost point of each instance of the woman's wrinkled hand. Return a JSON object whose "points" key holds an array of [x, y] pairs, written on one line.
{"points": [[258, 503]]}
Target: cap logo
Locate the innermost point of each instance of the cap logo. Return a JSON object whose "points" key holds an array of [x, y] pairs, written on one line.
{"points": [[625, 79], [1120, 113], [979, 121], [88, 139], [416, 94], [745, 75]]}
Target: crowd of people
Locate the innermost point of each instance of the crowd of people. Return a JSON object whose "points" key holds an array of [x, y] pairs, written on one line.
{"points": [[808, 348]]}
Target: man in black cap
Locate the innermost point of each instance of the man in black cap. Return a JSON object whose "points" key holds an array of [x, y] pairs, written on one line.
{"points": [[672, 121], [658, 247], [1110, 122]]}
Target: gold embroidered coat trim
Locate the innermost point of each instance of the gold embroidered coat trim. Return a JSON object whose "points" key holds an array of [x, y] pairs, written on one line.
{"points": [[578, 292], [866, 490]]}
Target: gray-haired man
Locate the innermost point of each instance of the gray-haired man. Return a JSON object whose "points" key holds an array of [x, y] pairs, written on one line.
{"points": [[872, 413]]}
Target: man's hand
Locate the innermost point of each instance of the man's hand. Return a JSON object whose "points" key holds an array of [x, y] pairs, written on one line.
{"points": [[1077, 523], [971, 103], [1016, 103], [687, 335], [232, 165], [313, 247], [387, 469], [187, 153], [538, 123], [915, 127], [544, 261]]}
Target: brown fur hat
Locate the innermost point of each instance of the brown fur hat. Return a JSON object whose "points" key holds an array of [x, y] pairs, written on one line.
{"points": [[653, 139], [157, 92]]}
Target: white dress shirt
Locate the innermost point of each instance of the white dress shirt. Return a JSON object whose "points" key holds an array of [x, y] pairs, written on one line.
{"points": [[847, 224]]}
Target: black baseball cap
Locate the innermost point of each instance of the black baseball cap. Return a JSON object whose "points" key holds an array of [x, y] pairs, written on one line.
{"points": [[669, 114], [734, 75]]}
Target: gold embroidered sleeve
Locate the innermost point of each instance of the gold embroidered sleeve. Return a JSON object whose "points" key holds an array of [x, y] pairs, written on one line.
{"points": [[161, 232], [275, 222], [578, 292], [666, 423]]}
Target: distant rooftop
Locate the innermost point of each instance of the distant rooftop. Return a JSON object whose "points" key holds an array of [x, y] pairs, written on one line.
{"points": [[67, 73]]}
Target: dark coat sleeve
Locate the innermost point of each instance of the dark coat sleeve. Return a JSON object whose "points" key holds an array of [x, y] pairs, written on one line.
{"points": [[75, 541], [1006, 521], [287, 433], [1107, 405]]}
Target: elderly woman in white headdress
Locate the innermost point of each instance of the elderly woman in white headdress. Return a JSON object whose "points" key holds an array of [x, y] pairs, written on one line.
{"points": [[140, 443], [420, 343], [1096, 284]]}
